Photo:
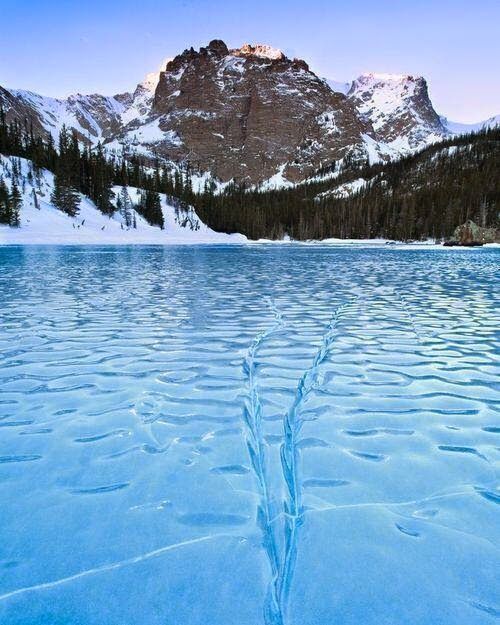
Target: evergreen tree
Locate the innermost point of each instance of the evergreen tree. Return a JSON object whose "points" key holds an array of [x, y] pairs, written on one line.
{"points": [[150, 208], [65, 197], [124, 205], [15, 203], [4, 203]]}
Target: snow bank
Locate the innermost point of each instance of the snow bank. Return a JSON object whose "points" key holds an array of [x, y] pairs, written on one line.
{"points": [[48, 225]]}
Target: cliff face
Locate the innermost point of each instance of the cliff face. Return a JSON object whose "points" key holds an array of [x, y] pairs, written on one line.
{"points": [[250, 112]]}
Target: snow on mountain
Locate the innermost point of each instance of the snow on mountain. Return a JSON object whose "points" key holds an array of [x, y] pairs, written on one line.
{"points": [[399, 110], [458, 128], [48, 225], [94, 117], [150, 81], [343, 190], [248, 114], [259, 50]]}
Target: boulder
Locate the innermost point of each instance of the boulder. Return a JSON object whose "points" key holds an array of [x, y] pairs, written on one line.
{"points": [[470, 233]]}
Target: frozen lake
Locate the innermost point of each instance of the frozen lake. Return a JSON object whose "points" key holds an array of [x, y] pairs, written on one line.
{"points": [[249, 435]]}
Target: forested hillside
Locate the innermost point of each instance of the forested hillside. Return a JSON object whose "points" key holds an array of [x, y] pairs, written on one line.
{"points": [[424, 195], [420, 196]]}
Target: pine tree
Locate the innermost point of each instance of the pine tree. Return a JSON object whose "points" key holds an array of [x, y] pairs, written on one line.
{"points": [[124, 205], [15, 202], [4, 203], [150, 208], [65, 197]]}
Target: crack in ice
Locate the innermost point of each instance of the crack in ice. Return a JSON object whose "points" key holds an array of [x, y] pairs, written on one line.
{"points": [[256, 449], [292, 423], [109, 567]]}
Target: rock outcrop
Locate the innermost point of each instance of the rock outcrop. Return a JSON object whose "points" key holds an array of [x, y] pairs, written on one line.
{"points": [[251, 112], [469, 234]]}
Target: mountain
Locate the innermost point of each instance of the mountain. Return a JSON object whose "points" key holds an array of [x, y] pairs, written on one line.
{"points": [[425, 195], [249, 114], [399, 110]]}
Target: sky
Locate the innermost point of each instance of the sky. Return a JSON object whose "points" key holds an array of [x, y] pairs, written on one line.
{"points": [[107, 46]]}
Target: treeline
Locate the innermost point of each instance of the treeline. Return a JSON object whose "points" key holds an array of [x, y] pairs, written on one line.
{"points": [[89, 171], [421, 196]]}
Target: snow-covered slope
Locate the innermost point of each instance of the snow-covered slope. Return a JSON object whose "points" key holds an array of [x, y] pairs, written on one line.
{"points": [[399, 110], [457, 128], [94, 117], [338, 86], [48, 225]]}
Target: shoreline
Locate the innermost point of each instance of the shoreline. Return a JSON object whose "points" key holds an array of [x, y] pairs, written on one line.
{"points": [[238, 241]]}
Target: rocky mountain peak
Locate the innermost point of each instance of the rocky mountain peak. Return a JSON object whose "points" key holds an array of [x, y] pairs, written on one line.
{"points": [[260, 51], [248, 113], [218, 47], [398, 107]]}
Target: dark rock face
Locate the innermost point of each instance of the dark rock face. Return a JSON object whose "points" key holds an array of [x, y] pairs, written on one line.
{"points": [[18, 110], [246, 113]]}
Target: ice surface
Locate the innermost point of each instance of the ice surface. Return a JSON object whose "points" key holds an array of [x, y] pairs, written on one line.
{"points": [[258, 435]]}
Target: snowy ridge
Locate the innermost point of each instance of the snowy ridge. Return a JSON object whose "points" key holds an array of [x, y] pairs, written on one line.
{"points": [[150, 81], [261, 51], [458, 128], [48, 225], [382, 95], [78, 112], [399, 110]]}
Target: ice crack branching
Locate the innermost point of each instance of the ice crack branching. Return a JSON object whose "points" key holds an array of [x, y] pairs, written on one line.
{"points": [[280, 539], [420, 336], [256, 451], [290, 456]]}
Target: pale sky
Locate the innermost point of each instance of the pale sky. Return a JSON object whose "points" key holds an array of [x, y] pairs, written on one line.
{"points": [[107, 46]]}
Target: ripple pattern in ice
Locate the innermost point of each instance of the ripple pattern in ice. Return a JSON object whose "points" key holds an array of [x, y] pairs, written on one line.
{"points": [[259, 435]]}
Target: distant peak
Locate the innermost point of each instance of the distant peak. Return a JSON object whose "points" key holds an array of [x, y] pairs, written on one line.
{"points": [[385, 77], [150, 81], [262, 51]]}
